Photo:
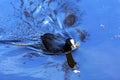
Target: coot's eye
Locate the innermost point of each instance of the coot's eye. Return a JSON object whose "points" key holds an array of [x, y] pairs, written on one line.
{"points": [[68, 41]]}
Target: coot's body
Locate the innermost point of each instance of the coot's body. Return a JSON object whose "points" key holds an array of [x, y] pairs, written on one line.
{"points": [[53, 43]]}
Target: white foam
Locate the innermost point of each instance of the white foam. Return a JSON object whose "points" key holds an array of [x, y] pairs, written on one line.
{"points": [[76, 71]]}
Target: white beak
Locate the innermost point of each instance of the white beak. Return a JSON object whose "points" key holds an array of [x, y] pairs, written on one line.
{"points": [[73, 43]]}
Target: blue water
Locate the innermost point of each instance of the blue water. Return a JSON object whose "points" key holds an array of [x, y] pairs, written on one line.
{"points": [[98, 56]]}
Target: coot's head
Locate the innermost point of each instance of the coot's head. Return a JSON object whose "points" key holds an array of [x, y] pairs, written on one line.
{"points": [[70, 41], [69, 44]]}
